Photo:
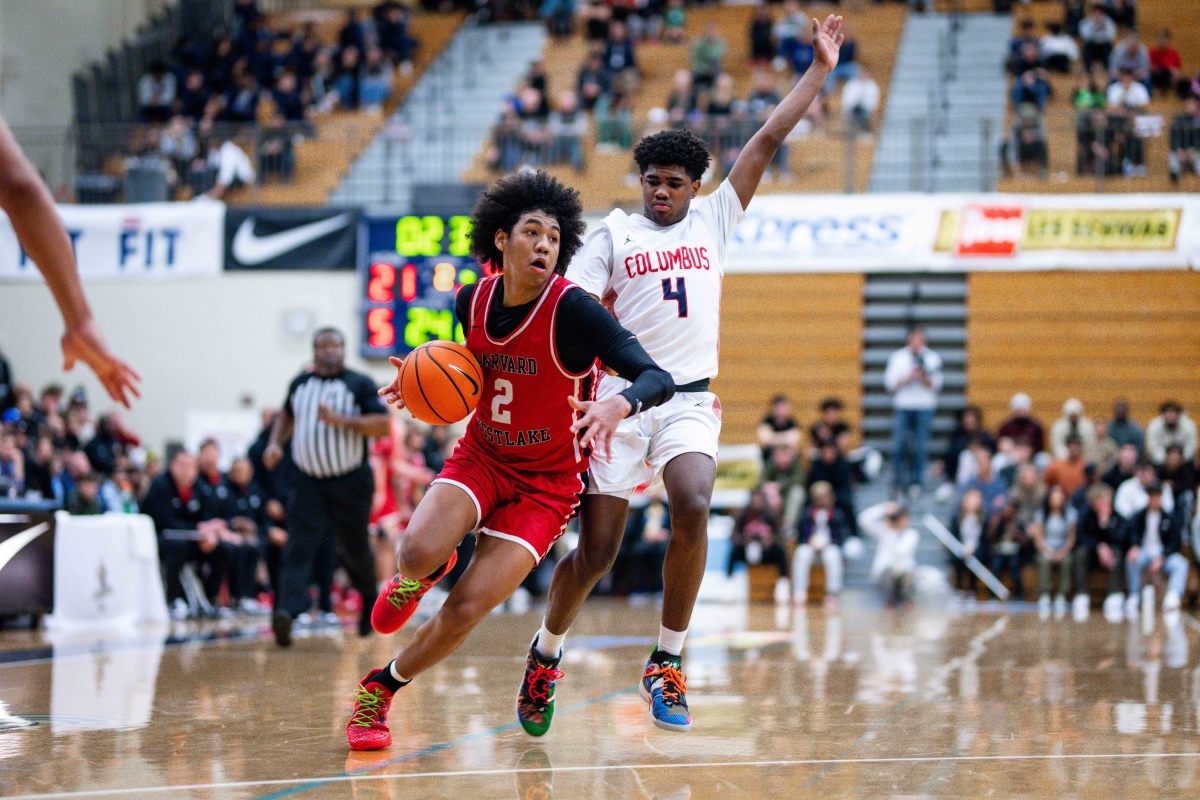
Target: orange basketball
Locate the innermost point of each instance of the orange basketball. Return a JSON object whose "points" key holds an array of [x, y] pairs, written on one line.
{"points": [[440, 382]]}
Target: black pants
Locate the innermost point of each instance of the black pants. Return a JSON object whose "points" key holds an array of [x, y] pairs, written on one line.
{"points": [[317, 506], [243, 572], [211, 568]]}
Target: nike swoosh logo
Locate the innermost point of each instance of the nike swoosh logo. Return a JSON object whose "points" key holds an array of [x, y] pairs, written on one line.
{"points": [[470, 380], [251, 249], [14, 544]]}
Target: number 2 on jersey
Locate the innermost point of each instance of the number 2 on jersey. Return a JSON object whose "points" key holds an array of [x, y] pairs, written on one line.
{"points": [[504, 396], [678, 294]]}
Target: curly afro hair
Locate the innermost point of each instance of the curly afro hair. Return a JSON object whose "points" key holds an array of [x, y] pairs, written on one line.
{"points": [[506, 200], [673, 147]]}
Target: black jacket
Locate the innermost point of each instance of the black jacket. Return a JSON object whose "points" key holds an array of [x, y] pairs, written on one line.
{"points": [[1168, 530]]}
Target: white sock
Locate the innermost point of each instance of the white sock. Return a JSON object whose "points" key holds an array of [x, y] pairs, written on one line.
{"points": [[397, 675], [670, 641], [549, 645]]}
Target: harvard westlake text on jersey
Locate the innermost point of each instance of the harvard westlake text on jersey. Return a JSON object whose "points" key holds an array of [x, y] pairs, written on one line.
{"points": [[505, 438], [517, 365]]}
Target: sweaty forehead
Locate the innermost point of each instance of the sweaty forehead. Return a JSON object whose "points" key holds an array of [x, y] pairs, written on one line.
{"points": [[666, 172], [538, 218]]}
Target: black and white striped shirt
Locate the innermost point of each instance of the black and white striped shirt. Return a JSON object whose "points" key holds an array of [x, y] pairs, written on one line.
{"points": [[321, 451]]}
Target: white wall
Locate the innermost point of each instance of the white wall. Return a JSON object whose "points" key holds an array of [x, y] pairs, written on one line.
{"points": [[199, 343]]}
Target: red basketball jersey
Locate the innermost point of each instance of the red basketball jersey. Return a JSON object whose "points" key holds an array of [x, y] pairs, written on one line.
{"points": [[523, 418]]}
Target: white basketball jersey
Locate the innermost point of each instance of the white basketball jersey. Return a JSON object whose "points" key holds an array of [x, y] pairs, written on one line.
{"points": [[664, 283]]}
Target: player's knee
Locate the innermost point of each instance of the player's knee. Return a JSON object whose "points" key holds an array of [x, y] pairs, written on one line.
{"points": [[595, 558], [418, 557], [689, 514]]}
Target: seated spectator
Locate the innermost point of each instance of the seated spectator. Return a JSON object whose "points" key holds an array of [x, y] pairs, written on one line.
{"points": [[567, 127], [398, 46], [119, 494], [1165, 64], [1021, 425], [322, 84], [1171, 426], [832, 468], [847, 66], [597, 18], [192, 99], [681, 103], [276, 153], [1026, 147], [348, 82], [1185, 141], [674, 29], [241, 101], [755, 538], [1180, 475], [1006, 538], [778, 428], [620, 60], [178, 144], [227, 164], [1101, 532], [800, 54], [1104, 454], [42, 470], [1072, 423], [1131, 56], [375, 85], [1132, 495], [352, 33], [1057, 49], [1027, 59], [969, 428], [1088, 94], [1075, 11], [85, 500], [639, 563], [593, 81], [1097, 32], [247, 518], [784, 475], [1009, 460], [860, 99], [559, 16], [156, 93], [1155, 538], [992, 487], [762, 37], [789, 28], [895, 559], [820, 533], [12, 466], [1032, 89], [535, 78], [614, 123], [1053, 533], [1097, 147], [1124, 469], [969, 526], [288, 100], [1122, 12], [1028, 492], [830, 427], [1123, 430], [1025, 36], [507, 150], [708, 56]]}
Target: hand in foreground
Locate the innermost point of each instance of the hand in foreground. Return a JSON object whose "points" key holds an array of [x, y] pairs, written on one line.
{"points": [[599, 422], [391, 392], [827, 41], [329, 416], [272, 456], [84, 343]]}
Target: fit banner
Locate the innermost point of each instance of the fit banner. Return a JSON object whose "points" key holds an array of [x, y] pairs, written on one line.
{"points": [[291, 238]]}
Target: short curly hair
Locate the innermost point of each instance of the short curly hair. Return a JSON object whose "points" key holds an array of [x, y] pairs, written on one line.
{"points": [[504, 202], [674, 147]]}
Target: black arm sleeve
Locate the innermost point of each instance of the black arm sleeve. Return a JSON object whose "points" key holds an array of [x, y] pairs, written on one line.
{"points": [[586, 331], [462, 304]]}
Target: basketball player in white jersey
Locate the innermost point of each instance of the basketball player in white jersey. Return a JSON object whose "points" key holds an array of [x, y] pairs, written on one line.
{"points": [[661, 272]]}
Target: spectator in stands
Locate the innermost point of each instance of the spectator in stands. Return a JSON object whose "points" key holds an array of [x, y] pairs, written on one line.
{"points": [[639, 563], [352, 33], [288, 99], [969, 525], [1180, 474], [322, 83], [1006, 538], [1171, 426], [597, 17], [1058, 49], [392, 21], [192, 99], [681, 103], [1027, 59], [674, 23], [1032, 89], [1132, 494], [42, 470], [12, 466], [895, 551], [1088, 94], [1104, 453], [156, 93], [1122, 12], [178, 144], [85, 500], [755, 538], [241, 101], [1185, 141], [1130, 55], [708, 56], [1098, 150], [1026, 147], [1067, 471], [1124, 430], [507, 149], [593, 81], [1029, 492], [762, 38], [1074, 12], [801, 52], [119, 494], [620, 61], [1053, 532], [1025, 36], [830, 427], [1102, 536], [778, 428], [789, 28], [105, 446], [375, 85], [1072, 423], [848, 65], [821, 531], [559, 16], [1165, 64], [276, 155], [1098, 32], [349, 78], [860, 99], [784, 473], [1021, 425], [228, 164], [1124, 469], [914, 376], [991, 486], [968, 428], [246, 508], [567, 127], [1155, 538]]}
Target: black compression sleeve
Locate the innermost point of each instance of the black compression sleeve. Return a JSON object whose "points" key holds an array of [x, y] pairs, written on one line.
{"points": [[586, 331], [462, 304]]}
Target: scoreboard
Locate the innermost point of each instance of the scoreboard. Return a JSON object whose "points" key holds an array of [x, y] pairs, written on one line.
{"points": [[414, 268]]}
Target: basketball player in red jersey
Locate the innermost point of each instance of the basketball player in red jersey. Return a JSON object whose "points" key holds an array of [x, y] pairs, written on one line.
{"points": [[30, 208], [515, 477]]}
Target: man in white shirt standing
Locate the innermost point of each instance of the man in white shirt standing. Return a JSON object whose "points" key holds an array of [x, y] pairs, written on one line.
{"points": [[914, 377]]}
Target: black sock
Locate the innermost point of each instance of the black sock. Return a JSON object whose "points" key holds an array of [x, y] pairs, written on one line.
{"points": [[386, 679], [437, 572]]}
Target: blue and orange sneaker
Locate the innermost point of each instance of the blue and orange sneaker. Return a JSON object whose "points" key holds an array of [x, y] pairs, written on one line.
{"points": [[398, 600], [664, 687], [367, 729], [535, 698]]}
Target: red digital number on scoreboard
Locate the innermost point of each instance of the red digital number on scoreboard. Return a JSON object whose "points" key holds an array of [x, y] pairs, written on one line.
{"points": [[383, 278], [381, 332]]}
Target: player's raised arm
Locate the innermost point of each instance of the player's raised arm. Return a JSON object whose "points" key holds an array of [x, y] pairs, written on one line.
{"points": [[748, 170]]}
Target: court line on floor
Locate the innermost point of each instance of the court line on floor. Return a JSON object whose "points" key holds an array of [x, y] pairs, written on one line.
{"points": [[470, 773]]}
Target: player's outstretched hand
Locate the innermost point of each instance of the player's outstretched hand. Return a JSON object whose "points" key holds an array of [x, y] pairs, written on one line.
{"points": [[599, 422], [84, 343], [827, 40], [391, 392]]}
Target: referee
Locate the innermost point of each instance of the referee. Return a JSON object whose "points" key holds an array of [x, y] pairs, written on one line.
{"points": [[329, 414]]}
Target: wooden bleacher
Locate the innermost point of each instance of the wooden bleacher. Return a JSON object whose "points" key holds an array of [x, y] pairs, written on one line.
{"points": [[1092, 335], [342, 135], [817, 161], [1060, 121]]}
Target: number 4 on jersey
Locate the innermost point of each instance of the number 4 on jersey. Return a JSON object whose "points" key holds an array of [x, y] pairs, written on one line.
{"points": [[678, 294]]}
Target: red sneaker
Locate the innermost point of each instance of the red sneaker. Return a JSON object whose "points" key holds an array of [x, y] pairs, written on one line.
{"points": [[400, 598], [367, 729]]}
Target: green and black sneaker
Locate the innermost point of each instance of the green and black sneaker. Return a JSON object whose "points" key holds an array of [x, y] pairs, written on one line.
{"points": [[535, 700]]}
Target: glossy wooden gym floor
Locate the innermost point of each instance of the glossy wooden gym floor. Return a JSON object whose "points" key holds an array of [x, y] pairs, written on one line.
{"points": [[931, 702]]}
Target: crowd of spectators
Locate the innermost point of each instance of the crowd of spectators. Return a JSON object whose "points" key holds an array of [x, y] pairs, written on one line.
{"points": [[253, 91], [1117, 76], [1086, 497]]}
